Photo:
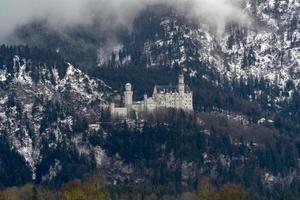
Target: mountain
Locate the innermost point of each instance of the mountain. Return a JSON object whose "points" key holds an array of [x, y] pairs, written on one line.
{"points": [[245, 80]]}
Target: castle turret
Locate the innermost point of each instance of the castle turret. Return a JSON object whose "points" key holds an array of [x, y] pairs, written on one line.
{"points": [[128, 96], [112, 108], [145, 102], [181, 84]]}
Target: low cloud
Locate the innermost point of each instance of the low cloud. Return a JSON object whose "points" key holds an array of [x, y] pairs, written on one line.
{"points": [[60, 14]]}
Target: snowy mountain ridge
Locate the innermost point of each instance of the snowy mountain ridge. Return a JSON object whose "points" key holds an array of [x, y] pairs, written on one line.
{"points": [[267, 47]]}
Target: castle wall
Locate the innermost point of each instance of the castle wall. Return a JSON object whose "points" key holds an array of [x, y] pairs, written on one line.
{"points": [[175, 100], [120, 112], [150, 105]]}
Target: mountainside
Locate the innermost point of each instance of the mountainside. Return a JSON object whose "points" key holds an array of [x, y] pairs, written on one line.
{"points": [[267, 45], [258, 59], [245, 80], [46, 108], [54, 123]]}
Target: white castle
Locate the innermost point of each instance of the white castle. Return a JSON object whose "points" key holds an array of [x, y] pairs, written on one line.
{"points": [[179, 97]]}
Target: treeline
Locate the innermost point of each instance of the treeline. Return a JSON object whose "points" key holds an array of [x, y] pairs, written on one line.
{"points": [[92, 188], [205, 191], [35, 59]]}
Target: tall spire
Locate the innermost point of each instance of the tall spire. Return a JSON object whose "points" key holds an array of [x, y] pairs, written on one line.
{"points": [[128, 95], [181, 76], [181, 84]]}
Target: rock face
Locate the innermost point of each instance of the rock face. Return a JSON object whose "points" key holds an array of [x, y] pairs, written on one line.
{"points": [[267, 45], [41, 110]]}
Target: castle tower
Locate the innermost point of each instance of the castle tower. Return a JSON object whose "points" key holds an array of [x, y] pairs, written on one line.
{"points": [[112, 109], [181, 84], [145, 102], [128, 96]]}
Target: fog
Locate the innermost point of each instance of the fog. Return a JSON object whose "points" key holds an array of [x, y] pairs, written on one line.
{"points": [[60, 14]]}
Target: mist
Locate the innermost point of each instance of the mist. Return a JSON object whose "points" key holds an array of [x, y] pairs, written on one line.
{"points": [[62, 14]]}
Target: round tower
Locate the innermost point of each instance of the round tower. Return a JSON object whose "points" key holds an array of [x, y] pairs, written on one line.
{"points": [[128, 95], [181, 84]]}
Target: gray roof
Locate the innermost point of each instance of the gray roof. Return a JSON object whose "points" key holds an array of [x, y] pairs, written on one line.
{"points": [[170, 88], [166, 88]]}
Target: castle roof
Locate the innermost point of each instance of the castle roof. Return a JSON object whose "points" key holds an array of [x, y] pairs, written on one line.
{"points": [[166, 89], [163, 89]]}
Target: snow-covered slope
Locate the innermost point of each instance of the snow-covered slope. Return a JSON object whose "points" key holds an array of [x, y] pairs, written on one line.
{"points": [[267, 46], [40, 110]]}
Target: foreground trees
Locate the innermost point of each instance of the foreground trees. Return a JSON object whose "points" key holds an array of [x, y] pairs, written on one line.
{"points": [[91, 189], [206, 191]]}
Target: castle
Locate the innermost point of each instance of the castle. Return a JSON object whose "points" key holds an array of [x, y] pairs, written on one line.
{"points": [[179, 97]]}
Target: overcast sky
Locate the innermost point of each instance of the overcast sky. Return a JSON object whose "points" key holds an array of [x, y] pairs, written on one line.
{"points": [[61, 13]]}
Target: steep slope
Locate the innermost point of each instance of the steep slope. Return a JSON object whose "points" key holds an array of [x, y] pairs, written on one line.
{"points": [[269, 47], [266, 47], [43, 111]]}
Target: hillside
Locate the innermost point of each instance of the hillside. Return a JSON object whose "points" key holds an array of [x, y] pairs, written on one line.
{"points": [[55, 91]]}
